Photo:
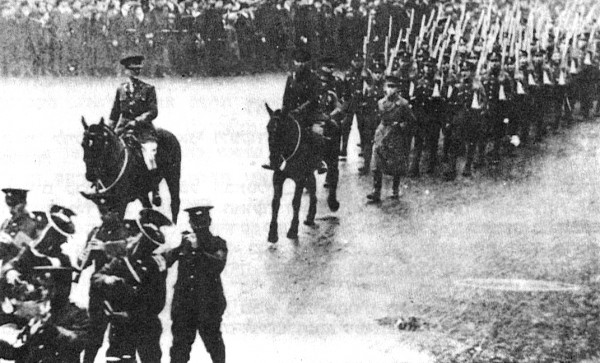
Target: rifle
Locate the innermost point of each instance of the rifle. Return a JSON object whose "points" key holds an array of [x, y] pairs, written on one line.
{"points": [[390, 65]]}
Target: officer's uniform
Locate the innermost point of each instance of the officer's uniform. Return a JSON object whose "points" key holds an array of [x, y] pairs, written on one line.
{"points": [[300, 99], [198, 300], [135, 102], [367, 118], [133, 289], [391, 146]]}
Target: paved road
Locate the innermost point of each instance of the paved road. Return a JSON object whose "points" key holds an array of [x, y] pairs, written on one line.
{"points": [[317, 299]]}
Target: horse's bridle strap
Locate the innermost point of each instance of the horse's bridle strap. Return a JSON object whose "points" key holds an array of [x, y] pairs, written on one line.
{"points": [[121, 172]]}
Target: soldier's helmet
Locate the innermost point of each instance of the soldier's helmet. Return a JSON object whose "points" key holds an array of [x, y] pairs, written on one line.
{"points": [[14, 196]]}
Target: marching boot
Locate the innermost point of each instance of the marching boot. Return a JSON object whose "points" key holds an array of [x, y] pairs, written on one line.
{"points": [[375, 196]]}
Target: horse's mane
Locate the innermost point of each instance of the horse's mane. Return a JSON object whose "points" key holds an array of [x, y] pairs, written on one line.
{"points": [[101, 127]]}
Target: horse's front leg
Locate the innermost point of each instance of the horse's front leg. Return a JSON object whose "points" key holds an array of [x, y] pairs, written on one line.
{"points": [[293, 231], [278, 180], [311, 187], [145, 200]]}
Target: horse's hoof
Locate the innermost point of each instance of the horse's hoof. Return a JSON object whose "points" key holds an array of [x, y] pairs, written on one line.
{"points": [[334, 205], [157, 200], [273, 238], [292, 235], [309, 222]]}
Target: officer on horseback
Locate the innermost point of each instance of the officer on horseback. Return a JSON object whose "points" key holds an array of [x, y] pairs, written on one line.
{"points": [[132, 113], [300, 100]]}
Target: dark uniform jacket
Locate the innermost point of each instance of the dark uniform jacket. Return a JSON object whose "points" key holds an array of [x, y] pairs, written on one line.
{"points": [[198, 289], [140, 289], [302, 95], [135, 100]]}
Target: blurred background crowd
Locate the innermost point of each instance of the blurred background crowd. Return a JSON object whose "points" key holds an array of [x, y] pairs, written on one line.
{"points": [[189, 38]]}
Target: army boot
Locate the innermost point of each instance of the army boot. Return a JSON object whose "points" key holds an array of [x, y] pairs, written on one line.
{"points": [[375, 196]]}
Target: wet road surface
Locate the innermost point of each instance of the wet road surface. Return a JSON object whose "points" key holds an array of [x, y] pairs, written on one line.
{"points": [[317, 299]]}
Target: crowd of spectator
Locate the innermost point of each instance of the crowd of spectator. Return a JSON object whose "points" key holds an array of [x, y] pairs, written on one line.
{"points": [[189, 38]]}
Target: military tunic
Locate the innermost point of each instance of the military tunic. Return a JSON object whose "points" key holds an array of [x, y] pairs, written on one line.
{"points": [[24, 223], [198, 300], [135, 101]]}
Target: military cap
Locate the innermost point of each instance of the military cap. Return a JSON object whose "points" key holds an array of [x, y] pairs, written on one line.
{"points": [[494, 57], [149, 223], [132, 61], [378, 67], [328, 61], [378, 58], [393, 81], [104, 199], [57, 226], [198, 212], [326, 76], [15, 196], [358, 57], [301, 55]]}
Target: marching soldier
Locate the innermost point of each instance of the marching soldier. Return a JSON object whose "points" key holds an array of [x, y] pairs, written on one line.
{"points": [[560, 97], [391, 146], [133, 111], [20, 228], [104, 243], [133, 289], [368, 121], [198, 301], [353, 84]]}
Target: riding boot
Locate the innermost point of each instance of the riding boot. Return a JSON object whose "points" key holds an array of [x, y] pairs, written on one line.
{"points": [[375, 196]]}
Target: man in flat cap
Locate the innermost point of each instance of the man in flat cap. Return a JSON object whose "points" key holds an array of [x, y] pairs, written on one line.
{"points": [[133, 111], [133, 288], [19, 228], [198, 301], [300, 100]]}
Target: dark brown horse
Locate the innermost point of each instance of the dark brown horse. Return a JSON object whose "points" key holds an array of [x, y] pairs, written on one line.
{"points": [[299, 165], [117, 168]]}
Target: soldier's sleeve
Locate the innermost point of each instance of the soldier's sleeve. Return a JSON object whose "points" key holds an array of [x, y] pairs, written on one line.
{"points": [[115, 112], [171, 256], [216, 259], [152, 112]]}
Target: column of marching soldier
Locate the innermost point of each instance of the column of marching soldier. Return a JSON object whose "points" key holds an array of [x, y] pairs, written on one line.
{"points": [[487, 81], [127, 290]]}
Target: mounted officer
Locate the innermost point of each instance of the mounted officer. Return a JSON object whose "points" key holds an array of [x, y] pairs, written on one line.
{"points": [[132, 113], [198, 301], [133, 288], [300, 100], [20, 228]]}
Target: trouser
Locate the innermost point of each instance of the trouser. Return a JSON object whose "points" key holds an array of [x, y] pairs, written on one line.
{"points": [[378, 182], [346, 128], [587, 98], [184, 333], [561, 103], [370, 123], [128, 337], [98, 325]]}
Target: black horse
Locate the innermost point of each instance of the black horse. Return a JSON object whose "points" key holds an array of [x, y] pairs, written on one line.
{"points": [[118, 168], [300, 166]]}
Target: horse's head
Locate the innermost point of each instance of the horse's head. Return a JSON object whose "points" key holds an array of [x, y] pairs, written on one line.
{"points": [[98, 142], [275, 116]]}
